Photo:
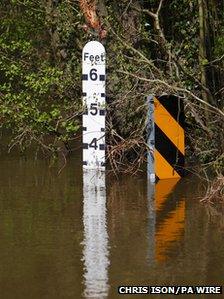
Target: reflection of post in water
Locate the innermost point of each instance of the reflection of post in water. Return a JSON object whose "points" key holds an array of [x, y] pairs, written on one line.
{"points": [[95, 251], [152, 219], [166, 224]]}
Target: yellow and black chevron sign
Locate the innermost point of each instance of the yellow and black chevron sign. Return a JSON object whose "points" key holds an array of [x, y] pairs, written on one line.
{"points": [[168, 147]]}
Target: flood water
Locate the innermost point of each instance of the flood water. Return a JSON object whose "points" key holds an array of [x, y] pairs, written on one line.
{"points": [[61, 238]]}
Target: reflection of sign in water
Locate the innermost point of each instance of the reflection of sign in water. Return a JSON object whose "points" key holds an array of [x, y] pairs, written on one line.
{"points": [[166, 218], [93, 86], [95, 252]]}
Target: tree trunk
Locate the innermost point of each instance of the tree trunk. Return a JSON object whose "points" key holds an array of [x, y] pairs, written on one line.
{"points": [[202, 47]]}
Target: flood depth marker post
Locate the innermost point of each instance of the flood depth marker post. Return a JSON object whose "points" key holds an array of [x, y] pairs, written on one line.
{"points": [[95, 252], [93, 87]]}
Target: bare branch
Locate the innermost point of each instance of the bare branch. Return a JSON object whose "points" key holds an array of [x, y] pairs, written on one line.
{"points": [[144, 58], [159, 7], [165, 45], [176, 88]]}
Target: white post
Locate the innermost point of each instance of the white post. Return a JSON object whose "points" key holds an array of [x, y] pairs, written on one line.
{"points": [[95, 252], [93, 86]]}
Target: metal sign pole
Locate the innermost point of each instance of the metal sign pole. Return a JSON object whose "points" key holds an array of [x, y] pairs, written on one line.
{"points": [[151, 140]]}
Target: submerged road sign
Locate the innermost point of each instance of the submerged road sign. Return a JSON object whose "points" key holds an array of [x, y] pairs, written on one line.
{"points": [[93, 87], [166, 137]]}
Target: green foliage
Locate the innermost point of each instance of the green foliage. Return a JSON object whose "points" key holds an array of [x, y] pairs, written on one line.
{"points": [[39, 89], [219, 45]]}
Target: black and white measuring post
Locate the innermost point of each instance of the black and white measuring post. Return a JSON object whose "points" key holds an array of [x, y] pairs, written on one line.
{"points": [[93, 87], [95, 252]]}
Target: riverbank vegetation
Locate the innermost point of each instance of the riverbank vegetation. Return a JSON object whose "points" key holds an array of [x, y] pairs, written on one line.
{"points": [[153, 47]]}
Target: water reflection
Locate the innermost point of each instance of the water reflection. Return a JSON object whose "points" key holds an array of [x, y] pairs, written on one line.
{"points": [[95, 252], [41, 228], [152, 220], [166, 218]]}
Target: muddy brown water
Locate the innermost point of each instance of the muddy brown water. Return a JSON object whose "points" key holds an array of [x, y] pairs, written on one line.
{"points": [[58, 242]]}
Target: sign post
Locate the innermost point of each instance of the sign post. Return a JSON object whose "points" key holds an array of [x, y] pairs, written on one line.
{"points": [[93, 86]]}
